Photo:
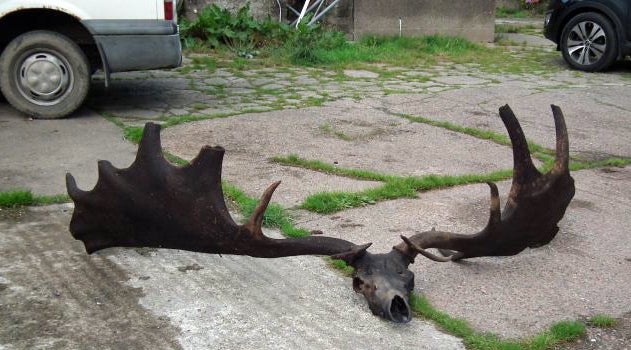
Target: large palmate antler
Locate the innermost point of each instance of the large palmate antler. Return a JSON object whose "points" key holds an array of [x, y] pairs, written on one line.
{"points": [[536, 203], [155, 204]]}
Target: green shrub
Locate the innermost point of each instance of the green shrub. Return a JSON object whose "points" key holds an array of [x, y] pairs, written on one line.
{"points": [[215, 27]]}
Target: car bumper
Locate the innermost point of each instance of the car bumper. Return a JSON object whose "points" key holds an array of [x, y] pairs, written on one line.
{"points": [[549, 30]]}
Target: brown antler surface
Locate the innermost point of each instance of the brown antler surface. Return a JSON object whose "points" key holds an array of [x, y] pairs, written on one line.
{"points": [[155, 204], [535, 205]]}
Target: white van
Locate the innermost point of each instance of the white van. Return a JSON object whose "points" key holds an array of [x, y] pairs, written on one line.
{"points": [[49, 49]]}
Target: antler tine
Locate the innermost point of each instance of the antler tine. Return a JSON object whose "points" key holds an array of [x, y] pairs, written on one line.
{"points": [[495, 214], [149, 148], [424, 252], [523, 168], [562, 159], [535, 205], [207, 163], [255, 222], [73, 191]]}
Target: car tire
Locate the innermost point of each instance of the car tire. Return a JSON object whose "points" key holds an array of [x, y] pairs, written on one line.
{"points": [[45, 74], [589, 42]]}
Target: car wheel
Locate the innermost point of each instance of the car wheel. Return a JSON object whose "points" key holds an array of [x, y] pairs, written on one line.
{"points": [[589, 43], [45, 74]]}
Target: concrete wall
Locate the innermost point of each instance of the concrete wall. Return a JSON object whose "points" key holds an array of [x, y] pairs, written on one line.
{"points": [[340, 17], [258, 8], [471, 19], [509, 4]]}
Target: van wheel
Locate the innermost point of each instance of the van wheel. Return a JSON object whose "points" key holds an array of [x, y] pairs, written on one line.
{"points": [[45, 74]]}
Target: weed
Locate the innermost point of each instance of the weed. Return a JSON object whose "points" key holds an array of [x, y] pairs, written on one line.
{"points": [[602, 321], [275, 216], [199, 106], [310, 45], [328, 130], [537, 150], [19, 198], [610, 162], [16, 198], [132, 134], [567, 330], [294, 160], [340, 265], [209, 62], [503, 12], [525, 29], [559, 332], [215, 26]]}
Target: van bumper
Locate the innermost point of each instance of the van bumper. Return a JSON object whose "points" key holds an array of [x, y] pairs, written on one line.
{"points": [[136, 45]]}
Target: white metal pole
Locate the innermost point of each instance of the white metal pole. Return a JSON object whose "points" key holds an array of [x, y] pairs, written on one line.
{"points": [[302, 13]]}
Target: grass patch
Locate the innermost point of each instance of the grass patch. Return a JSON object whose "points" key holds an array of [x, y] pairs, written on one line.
{"points": [[132, 134], [340, 265], [328, 130], [522, 29], [275, 216], [395, 187], [545, 155], [559, 332], [18, 198], [602, 321], [332, 50], [294, 160], [406, 187], [610, 162], [208, 62]]}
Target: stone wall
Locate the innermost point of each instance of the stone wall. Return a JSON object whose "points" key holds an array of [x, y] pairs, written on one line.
{"points": [[471, 19], [258, 8]]}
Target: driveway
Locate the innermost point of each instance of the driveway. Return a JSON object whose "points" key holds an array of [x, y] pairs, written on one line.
{"points": [[53, 295]]}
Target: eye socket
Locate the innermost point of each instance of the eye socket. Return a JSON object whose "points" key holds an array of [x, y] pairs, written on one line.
{"points": [[409, 283], [357, 284]]}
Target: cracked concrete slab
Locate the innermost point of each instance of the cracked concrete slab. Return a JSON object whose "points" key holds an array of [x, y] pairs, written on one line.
{"points": [[56, 296], [38, 153], [597, 118], [375, 141]]}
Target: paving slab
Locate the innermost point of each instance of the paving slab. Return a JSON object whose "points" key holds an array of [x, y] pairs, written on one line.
{"points": [[584, 271], [36, 154], [53, 295]]}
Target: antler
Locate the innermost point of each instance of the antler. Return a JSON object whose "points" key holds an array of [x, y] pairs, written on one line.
{"points": [[155, 204], [536, 203]]}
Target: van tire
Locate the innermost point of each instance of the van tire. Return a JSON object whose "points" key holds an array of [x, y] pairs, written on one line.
{"points": [[45, 74]]}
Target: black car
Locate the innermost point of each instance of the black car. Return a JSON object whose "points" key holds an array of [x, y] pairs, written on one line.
{"points": [[591, 34]]}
